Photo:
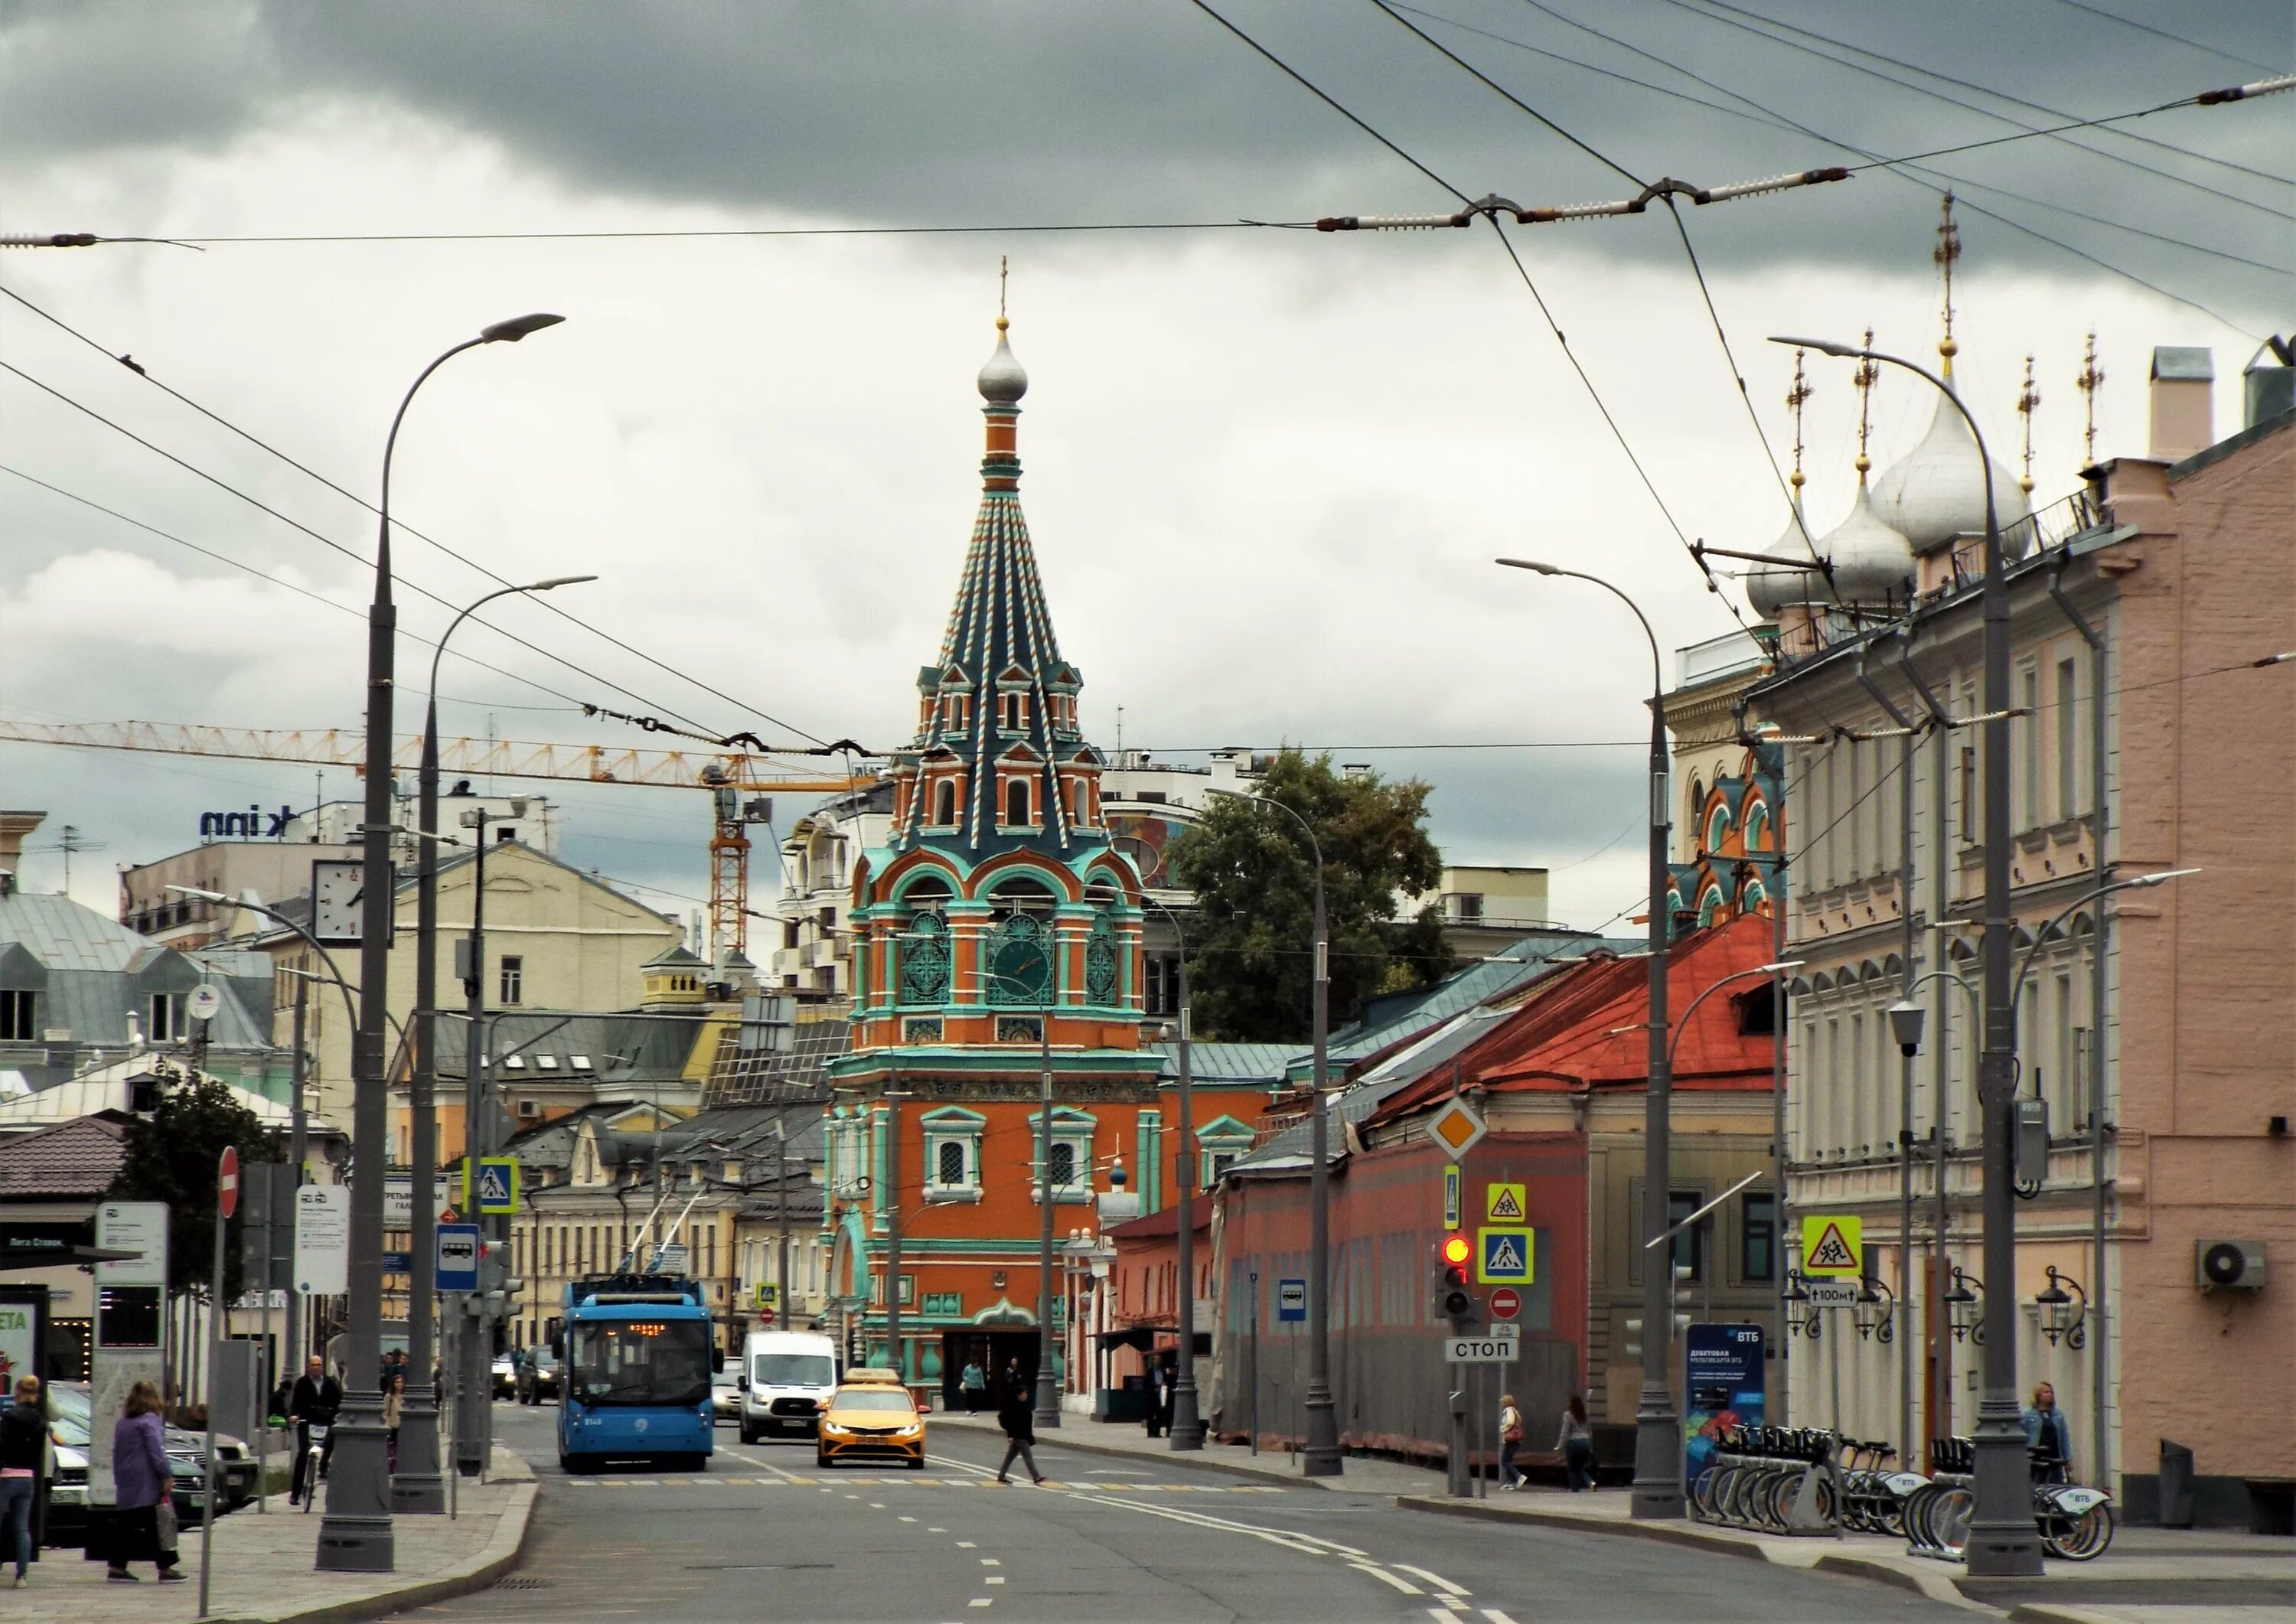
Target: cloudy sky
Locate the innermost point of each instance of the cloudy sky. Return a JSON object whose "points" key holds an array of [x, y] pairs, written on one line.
{"points": [[1265, 469]]}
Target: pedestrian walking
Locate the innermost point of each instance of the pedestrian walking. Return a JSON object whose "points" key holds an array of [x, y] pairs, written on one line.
{"points": [[23, 1457], [1017, 1415], [974, 1385], [394, 1403], [1158, 1385], [1577, 1442], [2048, 1438], [1510, 1441], [145, 1527], [316, 1398]]}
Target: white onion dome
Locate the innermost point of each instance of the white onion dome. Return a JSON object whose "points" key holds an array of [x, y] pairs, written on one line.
{"points": [[1936, 493], [1003, 382], [1770, 588], [1873, 564]]}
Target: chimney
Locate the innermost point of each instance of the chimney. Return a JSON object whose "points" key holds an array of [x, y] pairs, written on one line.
{"points": [[2183, 383], [2270, 380], [14, 826]]}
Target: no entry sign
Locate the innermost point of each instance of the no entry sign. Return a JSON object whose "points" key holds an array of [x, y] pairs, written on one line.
{"points": [[227, 1182], [1506, 1302]]}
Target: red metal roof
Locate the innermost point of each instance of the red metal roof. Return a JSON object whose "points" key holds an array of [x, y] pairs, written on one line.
{"points": [[1587, 1026], [1164, 1223]]}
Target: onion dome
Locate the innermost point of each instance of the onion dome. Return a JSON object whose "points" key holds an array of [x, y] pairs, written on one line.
{"points": [[1003, 382], [1936, 493], [1873, 564], [1770, 588]]}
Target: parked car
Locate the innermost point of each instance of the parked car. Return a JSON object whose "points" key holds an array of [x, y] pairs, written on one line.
{"points": [[235, 1463], [538, 1375], [504, 1380], [67, 1494]]}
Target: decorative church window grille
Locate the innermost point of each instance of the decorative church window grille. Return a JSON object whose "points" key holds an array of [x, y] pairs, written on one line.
{"points": [[1100, 964], [925, 960]]}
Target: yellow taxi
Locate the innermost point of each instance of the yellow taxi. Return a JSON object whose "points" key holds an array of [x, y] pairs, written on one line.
{"points": [[871, 1416]]}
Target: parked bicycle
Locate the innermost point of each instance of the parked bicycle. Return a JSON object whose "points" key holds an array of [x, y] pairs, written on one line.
{"points": [[1758, 1474], [2075, 1522]]}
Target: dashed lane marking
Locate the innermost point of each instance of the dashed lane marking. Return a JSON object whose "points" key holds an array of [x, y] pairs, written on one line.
{"points": [[1435, 1579], [1496, 1616], [1384, 1577]]}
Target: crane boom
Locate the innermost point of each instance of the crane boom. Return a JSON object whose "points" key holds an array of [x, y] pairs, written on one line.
{"points": [[726, 774], [681, 769]]}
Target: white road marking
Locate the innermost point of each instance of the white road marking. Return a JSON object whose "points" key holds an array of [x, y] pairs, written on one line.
{"points": [[1496, 1616], [1384, 1577], [936, 1530], [981, 1601], [966, 1545], [1436, 1579], [990, 1561], [995, 1579], [908, 1519]]}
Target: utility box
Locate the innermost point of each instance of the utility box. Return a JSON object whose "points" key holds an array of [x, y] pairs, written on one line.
{"points": [[2032, 1142], [2176, 1485]]}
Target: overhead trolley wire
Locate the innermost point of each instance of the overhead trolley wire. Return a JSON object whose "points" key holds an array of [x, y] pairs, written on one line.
{"points": [[2146, 27], [401, 526]]}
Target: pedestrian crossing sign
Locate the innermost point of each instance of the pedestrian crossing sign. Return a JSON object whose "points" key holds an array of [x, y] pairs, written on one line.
{"points": [[1504, 1255], [768, 1294], [497, 1191], [1503, 1203], [1833, 1243]]}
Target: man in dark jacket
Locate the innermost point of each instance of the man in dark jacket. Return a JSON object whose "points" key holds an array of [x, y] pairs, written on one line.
{"points": [[1017, 1415], [316, 1397]]}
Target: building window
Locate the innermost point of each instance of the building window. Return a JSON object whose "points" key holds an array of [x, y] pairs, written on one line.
{"points": [[1966, 813], [1690, 1241], [948, 1162], [17, 1013], [944, 805], [1757, 1237], [2067, 741], [2028, 697], [1064, 1164], [1470, 906], [168, 1022], [1216, 1163], [1016, 802], [514, 979], [1015, 708]]}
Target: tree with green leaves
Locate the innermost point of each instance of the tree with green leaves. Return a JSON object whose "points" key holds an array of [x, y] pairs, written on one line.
{"points": [[1250, 959], [172, 1155]]}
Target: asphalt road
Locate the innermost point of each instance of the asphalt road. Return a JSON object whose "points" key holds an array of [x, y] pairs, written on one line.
{"points": [[764, 1534]]}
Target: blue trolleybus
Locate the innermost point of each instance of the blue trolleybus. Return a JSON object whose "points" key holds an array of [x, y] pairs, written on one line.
{"points": [[636, 1352]]}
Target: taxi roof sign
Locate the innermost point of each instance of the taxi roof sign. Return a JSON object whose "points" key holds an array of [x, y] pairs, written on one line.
{"points": [[1457, 1127]]}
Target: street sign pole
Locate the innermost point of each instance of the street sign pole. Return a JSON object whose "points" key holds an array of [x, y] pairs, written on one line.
{"points": [[218, 1308]]}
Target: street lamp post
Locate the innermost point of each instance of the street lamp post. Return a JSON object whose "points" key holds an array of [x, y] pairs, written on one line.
{"points": [[1321, 1457], [2003, 1539], [1658, 1431], [1187, 1428], [417, 1486]]}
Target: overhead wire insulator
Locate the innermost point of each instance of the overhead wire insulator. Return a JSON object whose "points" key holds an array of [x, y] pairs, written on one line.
{"points": [[1775, 183], [1392, 222], [62, 239], [2241, 93]]}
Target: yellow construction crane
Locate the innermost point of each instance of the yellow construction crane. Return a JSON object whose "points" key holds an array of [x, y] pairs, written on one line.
{"points": [[734, 779]]}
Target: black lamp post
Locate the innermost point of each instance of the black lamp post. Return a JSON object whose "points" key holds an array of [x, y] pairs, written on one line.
{"points": [[1658, 1429], [355, 1535]]}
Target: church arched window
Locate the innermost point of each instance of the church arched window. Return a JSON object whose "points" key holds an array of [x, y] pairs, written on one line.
{"points": [[944, 805], [1016, 803]]}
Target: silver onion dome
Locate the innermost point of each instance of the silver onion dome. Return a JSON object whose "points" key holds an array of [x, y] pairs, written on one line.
{"points": [[1770, 588], [1003, 382], [1872, 562], [1936, 493]]}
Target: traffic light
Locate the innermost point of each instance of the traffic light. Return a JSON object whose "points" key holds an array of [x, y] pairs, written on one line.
{"points": [[1454, 1298]]}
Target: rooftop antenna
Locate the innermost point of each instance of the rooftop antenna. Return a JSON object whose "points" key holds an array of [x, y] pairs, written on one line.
{"points": [[2091, 380], [1868, 374], [1947, 251], [2028, 399]]}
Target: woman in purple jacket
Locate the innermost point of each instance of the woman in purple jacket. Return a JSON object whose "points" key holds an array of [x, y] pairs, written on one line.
{"points": [[141, 1479]]}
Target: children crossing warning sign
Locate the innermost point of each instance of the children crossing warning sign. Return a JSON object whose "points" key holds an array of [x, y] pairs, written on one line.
{"points": [[1503, 1256], [1503, 1203], [1833, 1243]]}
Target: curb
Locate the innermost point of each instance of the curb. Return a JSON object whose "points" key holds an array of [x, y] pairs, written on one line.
{"points": [[1936, 1588], [2053, 1613], [478, 1572], [1203, 1460]]}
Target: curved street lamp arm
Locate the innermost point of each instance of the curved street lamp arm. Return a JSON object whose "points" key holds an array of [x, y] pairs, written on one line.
{"points": [[2041, 937], [1682, 1021], [276, 917], [1658, 682]]}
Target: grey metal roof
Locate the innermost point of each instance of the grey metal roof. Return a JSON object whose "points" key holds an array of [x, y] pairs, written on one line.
{"points": [[2194, 363], [1229, 1062], [621, 1050], [65, 935]]}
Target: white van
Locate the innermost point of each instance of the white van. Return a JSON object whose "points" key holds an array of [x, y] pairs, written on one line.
{"points": [[785, 1377]]}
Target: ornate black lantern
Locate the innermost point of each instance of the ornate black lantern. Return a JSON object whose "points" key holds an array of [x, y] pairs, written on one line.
{"points": [[1800, 1319], [2064, 1311], [1875, 1311], [1965, 1306]]}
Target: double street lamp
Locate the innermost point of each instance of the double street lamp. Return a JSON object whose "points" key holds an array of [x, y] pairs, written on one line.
{"points": [[1658, 1431], [355, 1534], [1321, 1459], [417, 1486]]}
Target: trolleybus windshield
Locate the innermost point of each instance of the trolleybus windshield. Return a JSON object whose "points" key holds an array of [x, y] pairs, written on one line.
{"points": [[641, 1362]]}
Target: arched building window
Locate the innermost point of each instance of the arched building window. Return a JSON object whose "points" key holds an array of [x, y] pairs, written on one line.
{"points": [[944, 805], [1016, 803]]}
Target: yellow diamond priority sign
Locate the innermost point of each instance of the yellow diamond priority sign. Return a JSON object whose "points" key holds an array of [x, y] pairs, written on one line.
{"points": [[1456, 1126], [1833, 1243]]}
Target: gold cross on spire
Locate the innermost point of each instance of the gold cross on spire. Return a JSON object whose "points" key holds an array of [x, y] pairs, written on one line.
{"points": [[2029, 397], [1947, 251], [1795, 398], [1002, 265], [1868, 374], [2091, 380]]}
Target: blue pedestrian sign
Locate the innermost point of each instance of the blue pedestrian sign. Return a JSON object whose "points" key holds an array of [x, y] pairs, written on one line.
{"points": [[497, 1193], [458, 1257], [1291, 1301], [1505, 1254]]}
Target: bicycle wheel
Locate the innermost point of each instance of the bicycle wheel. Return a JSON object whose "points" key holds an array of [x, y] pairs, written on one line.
{"points": [[2085, 1537], [1949, 1519]]}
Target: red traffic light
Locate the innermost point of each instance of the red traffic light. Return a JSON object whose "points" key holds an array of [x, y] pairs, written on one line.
{"points": [[1456, 1249]]}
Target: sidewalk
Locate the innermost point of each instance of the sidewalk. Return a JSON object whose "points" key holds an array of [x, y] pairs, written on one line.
{"points": [[2149, 1574], [1129, 1440], [263, 1566]]}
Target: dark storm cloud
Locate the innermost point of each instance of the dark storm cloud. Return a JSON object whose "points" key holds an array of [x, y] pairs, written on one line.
{"points": [[946, 112]]}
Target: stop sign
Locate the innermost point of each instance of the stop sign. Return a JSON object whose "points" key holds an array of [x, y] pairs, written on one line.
{"points": [[227, 1182], [1506, 1302]]}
